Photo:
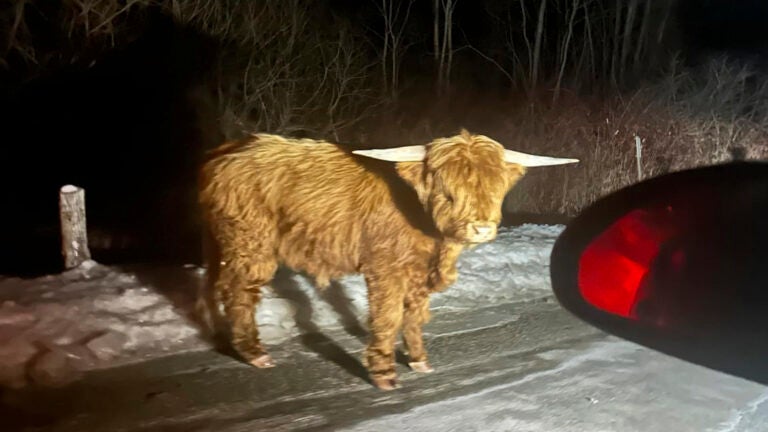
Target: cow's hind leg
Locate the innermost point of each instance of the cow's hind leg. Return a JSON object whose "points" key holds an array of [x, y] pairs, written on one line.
{"points": [[246, 266], [416, 314]]}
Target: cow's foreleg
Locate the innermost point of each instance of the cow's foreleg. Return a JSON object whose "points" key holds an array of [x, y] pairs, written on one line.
{"points": [[385, 303], [415, 316]]}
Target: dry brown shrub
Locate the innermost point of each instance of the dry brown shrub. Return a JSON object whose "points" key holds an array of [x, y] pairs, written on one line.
{"points": [[697, 118]]}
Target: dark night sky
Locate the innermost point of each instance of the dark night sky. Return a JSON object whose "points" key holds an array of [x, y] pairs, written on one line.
{"points": [[732, 25]]}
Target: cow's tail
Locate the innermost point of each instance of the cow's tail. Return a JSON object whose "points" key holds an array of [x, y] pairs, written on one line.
{"points": [[205, 309], [207, 304]]}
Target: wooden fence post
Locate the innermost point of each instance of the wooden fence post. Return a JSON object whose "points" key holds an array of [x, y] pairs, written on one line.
{"points": [[74, 235]]}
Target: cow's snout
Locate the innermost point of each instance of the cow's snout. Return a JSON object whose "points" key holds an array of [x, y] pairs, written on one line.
{"points": [[480, 232]]}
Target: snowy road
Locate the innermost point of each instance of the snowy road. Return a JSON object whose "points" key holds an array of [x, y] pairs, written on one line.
{"points": [[508, 358], [524, 367]]}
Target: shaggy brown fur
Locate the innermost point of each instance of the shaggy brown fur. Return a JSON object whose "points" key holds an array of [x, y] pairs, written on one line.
{"points": [[318, 208]]}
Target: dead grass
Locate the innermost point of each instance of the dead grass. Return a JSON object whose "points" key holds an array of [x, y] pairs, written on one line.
{"points": [[699, 117]]}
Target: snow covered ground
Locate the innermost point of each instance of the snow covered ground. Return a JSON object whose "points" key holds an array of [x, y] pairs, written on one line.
{"points": [[53, 328], [608, 385], [537, 369]]}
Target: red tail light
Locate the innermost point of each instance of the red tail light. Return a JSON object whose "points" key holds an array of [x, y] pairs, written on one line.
{"points": [[615, 265]]}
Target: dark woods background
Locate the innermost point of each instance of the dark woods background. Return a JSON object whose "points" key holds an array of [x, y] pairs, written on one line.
{"points": [[123, 97]]}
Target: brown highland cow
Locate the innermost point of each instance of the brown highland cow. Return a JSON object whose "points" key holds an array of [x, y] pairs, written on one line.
{"points": [[399, 216]]}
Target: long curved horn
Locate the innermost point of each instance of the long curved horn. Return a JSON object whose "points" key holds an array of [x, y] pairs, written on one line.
{"points": [[529, 160], [414, 153]]}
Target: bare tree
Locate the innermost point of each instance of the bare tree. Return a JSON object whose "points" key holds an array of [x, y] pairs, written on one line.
{"points": [[443, 43], [616, 41], [277, 71], [588, 51], [436, 30], [643, 36], [537, 46], [78, 31], [627, 37], [566, 45], [396, 14], [528, 48]]}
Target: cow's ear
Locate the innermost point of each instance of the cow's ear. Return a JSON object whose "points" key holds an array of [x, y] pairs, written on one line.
{"points": [[414, 174], [514, 173]]}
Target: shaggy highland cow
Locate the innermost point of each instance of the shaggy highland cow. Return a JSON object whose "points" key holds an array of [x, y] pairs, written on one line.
{"points": [[399, 216]]}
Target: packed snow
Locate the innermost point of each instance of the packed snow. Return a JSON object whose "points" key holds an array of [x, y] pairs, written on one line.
{"points": [[55, 327], [609, 385]]}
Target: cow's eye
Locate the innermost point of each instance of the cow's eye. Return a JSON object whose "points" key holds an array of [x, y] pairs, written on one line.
{"points": [[449, 198]]}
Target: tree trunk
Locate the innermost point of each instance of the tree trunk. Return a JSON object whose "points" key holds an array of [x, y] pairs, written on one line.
{"points": [[643, 37], [616, 43], [524, 14], [449, 39], [385, 48], [74, 236], [627, 42], [436, 29], [537, 45], [565, 50]]}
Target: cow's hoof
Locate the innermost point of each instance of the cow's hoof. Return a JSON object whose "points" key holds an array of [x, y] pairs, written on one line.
{"points": [[263, 361], [421, 367], [386, 383]]}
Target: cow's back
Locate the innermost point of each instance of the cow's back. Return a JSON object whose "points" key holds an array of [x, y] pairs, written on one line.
{"points": [[320, 200]]}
